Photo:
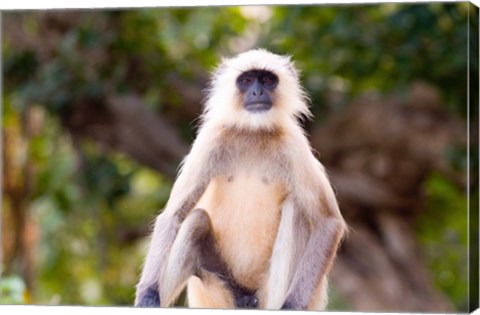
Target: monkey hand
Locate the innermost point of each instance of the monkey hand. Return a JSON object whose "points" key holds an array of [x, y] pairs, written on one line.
{"points": [[289, 305], [148, 298]]}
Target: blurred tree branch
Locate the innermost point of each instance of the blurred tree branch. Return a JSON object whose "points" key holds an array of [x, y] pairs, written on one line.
{"points": [[125, 124]]}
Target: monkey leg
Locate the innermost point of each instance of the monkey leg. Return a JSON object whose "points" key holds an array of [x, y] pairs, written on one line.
{"points": [[195, 253], [184, 259], [215, 271], [212, 267]]}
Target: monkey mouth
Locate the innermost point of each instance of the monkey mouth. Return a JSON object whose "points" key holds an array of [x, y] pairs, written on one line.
{"points": [[258, 107]]}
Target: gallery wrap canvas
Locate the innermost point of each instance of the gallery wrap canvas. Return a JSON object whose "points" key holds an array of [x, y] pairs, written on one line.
{"points": [[100, 106]]}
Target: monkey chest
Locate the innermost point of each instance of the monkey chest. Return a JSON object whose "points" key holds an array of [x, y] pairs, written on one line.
{"points": [[245, 212]]}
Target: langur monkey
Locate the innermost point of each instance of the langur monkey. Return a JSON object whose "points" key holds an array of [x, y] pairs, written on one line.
{"points": [[252, 220]]}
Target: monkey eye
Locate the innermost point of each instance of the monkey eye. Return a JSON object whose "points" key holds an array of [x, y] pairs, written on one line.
{"points": [[244, 81], [269, 80]]}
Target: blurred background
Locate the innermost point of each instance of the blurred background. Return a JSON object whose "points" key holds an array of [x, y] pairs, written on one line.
{"points": [[99, 108]]}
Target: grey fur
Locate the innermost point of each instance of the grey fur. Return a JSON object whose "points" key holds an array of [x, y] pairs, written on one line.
{"points": [[315, 262]]}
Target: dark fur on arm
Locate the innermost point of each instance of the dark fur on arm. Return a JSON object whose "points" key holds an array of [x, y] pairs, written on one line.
{"points": [[315, 263]]}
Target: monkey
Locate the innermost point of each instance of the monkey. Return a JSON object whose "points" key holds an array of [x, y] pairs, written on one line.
{"points": [[252, 220]]}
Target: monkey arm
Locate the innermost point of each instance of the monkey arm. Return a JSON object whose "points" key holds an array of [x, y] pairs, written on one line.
{"points": [[164, 234], [307, 239], [318, 256], [302, 254], [319, 228], [187, 190]]}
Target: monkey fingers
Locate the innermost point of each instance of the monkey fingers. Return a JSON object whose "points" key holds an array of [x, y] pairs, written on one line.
{"points": [[149, 298]]}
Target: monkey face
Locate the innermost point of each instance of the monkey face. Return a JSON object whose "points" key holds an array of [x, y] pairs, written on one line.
{"points": [[256, 87], [255, 90]]}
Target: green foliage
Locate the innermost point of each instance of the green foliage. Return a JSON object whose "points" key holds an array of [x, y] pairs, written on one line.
{"points": [[336, 302], [443, 234], [94, 252], [370, 48], [86, 217], [12, 290]]}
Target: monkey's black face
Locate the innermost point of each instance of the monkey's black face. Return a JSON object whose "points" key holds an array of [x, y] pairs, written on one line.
{"points": [[256, 87]]}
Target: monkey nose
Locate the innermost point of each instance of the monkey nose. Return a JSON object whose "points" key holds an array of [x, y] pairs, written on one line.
{"points": [[258, 92]]}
